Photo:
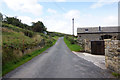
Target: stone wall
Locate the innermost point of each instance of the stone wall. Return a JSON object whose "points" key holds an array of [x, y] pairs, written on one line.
{"points": [[86, 44], [96, 36], [112, 55], [81, 42], [19, 53]]}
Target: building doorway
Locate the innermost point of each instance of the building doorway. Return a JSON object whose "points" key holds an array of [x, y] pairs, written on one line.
{"points": [[98, 47]]}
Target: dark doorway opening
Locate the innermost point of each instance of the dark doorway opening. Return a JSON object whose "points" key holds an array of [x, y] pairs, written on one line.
{"points": [[98, 47], [106, 37]]}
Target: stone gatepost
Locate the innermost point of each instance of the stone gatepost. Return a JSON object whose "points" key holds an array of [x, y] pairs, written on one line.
{"points": [[112, 55]]}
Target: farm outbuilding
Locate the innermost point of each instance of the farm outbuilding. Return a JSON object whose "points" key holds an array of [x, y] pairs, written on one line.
{"points": [[88, 37]]}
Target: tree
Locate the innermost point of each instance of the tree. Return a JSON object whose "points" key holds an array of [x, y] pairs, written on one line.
{"points": [[38, 27], [16, 22], [13, 21]]}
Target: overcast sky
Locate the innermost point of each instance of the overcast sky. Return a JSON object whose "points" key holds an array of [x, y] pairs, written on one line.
{"points": [[57, 14]]}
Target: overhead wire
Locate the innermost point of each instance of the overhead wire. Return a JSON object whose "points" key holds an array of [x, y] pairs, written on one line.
{"points": [[63, 10]]}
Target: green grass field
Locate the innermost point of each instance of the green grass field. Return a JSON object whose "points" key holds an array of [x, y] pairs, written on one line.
{"points": [[72, 47]]}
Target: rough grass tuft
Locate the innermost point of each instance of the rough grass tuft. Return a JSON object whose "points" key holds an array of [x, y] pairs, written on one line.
{"points": [[116, 74]]}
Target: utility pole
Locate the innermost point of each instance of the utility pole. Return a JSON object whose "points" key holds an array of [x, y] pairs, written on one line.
{"points": [[73, 26]]}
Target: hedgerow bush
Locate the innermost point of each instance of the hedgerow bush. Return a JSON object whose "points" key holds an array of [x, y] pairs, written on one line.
{"points": [[71, 39], [29, 33]]}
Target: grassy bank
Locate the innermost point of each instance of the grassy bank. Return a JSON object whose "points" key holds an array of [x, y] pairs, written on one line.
{"points": [[72, 47], [12, 65], [16, 41]]}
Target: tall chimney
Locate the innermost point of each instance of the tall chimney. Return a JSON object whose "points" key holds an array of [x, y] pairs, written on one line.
{"points": [[99, 28]]}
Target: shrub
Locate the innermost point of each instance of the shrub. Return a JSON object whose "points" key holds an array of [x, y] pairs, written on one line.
{"points": [[71, 39], [28, 33]]}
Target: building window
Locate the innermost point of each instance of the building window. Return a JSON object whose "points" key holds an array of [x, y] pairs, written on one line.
{"points": [[86, 30]]}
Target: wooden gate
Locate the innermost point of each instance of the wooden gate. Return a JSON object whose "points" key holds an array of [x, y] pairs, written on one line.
{"points": [[98, 47]]}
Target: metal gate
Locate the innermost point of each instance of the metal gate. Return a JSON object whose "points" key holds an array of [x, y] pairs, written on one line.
{"points": [[98, 47]]}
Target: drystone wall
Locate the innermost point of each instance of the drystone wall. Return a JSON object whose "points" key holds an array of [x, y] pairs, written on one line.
{"points": [[85, 44], [112, 55]]}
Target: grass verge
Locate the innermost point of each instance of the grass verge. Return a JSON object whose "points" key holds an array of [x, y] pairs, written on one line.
{"points": [[56, 37], [116, 74], [12, 65], [72, 47]]}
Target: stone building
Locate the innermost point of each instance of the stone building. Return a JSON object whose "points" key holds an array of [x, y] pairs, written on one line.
{"points": [[86, 35]]}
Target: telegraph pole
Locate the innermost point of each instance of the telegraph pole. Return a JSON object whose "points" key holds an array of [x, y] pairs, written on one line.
{"points": [[73, 26]]}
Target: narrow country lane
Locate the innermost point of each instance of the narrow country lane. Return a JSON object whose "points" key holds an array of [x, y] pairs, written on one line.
{"points": [[58, 62]]}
